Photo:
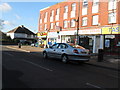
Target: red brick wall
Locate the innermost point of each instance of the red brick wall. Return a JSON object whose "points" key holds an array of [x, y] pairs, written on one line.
{"points": [[103, 14]]}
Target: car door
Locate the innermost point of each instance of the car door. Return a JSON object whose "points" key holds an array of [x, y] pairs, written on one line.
{"points": [[53, 50], [61, 49]]}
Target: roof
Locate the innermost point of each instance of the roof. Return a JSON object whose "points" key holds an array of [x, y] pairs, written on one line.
{"points": [[21, 29]]}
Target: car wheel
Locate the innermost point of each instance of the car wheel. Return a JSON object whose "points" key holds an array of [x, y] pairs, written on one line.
{"points": [[64, 59], [45, 55]]}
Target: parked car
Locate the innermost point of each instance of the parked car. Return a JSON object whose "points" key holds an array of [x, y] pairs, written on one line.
{"points": [[67, 52]]}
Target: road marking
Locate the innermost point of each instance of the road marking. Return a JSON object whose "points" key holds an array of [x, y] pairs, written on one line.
{"points": [[9, 54], [37, 65], [17, 49], [93, 85]]}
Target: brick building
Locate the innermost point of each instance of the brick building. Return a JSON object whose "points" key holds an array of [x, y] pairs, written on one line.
{"points": [[96, 23]]}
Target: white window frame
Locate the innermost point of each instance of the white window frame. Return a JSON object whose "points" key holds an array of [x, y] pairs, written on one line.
{"points": [[57, 23], [65, 9], [112, 4], [95, 2], [72, 23], [51, 25], [112, 17], [85, 3], [73, 7], [57, 11], [84, 21], [45, 26], [65, 24], [95, 20]]}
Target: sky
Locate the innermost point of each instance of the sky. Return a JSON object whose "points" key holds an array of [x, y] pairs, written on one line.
{"points": [[17, 13]]}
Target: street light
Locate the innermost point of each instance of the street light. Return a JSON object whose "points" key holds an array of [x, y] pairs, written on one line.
{"points": [[77, 20]]}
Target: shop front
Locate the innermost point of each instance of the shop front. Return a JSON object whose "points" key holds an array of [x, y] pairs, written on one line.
{"points": [[68, 36], [91, 39], [112, 40], [52, 38], [42, 39]]}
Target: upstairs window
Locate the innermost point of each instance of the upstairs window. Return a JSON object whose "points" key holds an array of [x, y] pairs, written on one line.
{"points": [[51, 25], [85, 3], [84, 21], [66, 9], [112, 4], [95, 20], [95, 2], [73, 6], [57, 11], [112, 17], [72, 23], [65, 24]]}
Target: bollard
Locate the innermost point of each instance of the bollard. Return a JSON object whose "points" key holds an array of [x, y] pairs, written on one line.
{"points": [[100, 55], [19, 45]]}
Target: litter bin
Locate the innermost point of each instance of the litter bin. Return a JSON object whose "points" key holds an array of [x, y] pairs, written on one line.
{"points": [[100, 55]]}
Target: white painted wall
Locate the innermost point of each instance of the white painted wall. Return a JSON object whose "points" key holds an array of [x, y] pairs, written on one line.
{"points": [[19, 35], [11, 35]]}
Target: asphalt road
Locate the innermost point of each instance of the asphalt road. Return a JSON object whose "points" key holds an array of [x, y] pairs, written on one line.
{"points": [[31, 70]]}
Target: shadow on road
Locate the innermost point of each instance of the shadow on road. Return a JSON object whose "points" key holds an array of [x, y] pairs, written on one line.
{"points": [[10, 79]]}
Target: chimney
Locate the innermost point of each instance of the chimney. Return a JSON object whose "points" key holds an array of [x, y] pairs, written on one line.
{"points": [[22, 25]]}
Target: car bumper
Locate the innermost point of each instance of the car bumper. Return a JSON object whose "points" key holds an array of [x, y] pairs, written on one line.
{"points": [[79, 57]]}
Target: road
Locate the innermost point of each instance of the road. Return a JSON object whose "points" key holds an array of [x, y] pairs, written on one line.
{"points": [[31, 70]]}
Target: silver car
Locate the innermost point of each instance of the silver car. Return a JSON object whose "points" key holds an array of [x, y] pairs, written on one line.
{"points": [[67, 52]]}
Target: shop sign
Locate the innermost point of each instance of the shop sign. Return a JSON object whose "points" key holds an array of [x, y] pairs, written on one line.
{"points": [[90, 31], [111, 30], [42, 34]]}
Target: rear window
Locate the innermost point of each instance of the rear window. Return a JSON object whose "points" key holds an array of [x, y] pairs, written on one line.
{"points": [[76, 46]]}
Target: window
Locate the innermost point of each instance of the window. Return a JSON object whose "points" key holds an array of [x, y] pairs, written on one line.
{"points": [[112, 17], [95, 2], [85, 3], [62, 46], [73, 6], [57, 11], [66, 9], [46, 14], [45, 26], [95, 20], [84, 21], [55, 46], [52, 13], [45, 19], [112, 4], [51, 25], [57, 23], [65, 24], [72, 23]]}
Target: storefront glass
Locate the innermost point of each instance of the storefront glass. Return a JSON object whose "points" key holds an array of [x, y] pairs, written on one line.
{"points": [[112, 44]]}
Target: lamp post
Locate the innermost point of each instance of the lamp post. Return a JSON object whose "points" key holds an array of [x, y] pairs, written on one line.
{"points": [[77, 33]]}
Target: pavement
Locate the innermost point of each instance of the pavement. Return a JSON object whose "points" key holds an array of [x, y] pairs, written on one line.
{"points": [[108, 62]]}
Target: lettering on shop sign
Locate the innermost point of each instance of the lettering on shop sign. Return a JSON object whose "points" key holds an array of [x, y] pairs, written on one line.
{"points": [[114, 29]]}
